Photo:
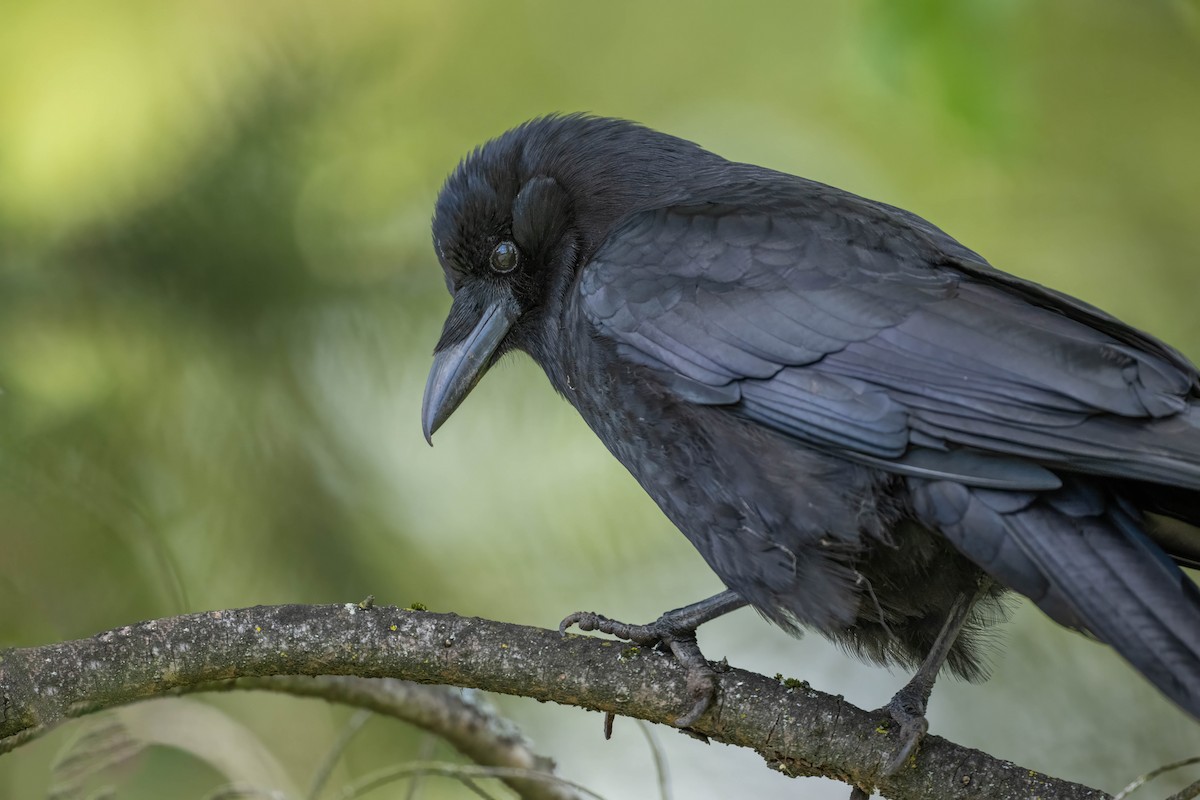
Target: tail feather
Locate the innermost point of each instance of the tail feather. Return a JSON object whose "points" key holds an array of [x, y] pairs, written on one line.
{"points": [[1082, 556]]}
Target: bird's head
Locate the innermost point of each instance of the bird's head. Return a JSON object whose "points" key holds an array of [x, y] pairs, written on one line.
{"points": [[518, 218]]}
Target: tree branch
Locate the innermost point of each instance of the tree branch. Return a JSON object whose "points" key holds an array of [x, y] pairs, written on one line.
{"points": [[799, 731], [470, 724]]}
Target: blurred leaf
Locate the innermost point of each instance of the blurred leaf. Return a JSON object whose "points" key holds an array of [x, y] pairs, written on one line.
{"points": [[110, 742], [209, 735], [961, 51]]}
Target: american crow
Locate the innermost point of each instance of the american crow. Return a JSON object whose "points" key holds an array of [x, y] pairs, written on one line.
{"points": [[861, 425]]}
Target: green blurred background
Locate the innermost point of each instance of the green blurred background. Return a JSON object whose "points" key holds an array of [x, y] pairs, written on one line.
{"points": [[218, 300]]}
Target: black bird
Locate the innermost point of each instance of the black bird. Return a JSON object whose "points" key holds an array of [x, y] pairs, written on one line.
{"points": [[861, 425]]}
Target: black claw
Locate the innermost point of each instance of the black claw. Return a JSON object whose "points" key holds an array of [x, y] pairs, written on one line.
{"points": [[576, 619], [701, 677], [911, 735], [689, 719], [910, 716], [703, 687]]}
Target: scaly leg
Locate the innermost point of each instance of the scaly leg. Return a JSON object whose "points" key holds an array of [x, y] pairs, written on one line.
{"points": [[907, 706]]}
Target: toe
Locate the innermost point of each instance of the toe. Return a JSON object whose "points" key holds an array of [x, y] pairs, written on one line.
{"points": [[912, 731]]}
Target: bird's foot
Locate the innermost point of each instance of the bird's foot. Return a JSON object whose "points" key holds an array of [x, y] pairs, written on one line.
{"points": [[907, 709], [670, 631]]}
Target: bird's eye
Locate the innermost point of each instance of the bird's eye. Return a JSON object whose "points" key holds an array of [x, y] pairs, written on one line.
{"points": [[505, 257]]}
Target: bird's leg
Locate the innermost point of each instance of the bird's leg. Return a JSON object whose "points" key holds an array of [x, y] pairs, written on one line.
{"points": [[671, 625], [677, 631], [907, 706]]}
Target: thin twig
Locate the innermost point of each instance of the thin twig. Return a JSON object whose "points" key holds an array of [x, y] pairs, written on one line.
{"points": [[1142, 780], [1188, 792], [331, 759], [425, 753], [460, 772], [660, 761], [237, 792]]}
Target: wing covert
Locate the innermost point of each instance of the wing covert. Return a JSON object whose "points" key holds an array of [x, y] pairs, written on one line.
{"points": [[895, 354]]}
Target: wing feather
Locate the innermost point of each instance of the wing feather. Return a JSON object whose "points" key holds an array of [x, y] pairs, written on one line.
{"points": [[900, 350]]}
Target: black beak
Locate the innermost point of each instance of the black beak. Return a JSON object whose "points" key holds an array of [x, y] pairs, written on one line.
{"points": [[458, 367]]}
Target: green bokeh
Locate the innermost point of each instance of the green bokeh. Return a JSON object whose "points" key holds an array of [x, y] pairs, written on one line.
{"points": [[218, 298]]}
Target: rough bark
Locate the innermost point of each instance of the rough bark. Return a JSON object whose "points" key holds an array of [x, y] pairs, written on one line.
{"points": [[796, 729]]}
